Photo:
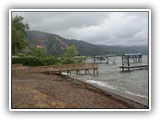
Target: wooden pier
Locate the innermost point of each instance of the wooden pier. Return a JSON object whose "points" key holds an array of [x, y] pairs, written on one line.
{"points": [[132, 58], [63, 68], [71, 67], [133, 66], [104, 58], [132, 61]]}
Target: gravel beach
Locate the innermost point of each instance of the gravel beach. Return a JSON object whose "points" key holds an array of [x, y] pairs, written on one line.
{"points": [[36, 90]]}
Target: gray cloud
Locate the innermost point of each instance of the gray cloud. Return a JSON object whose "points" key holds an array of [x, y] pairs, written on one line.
{"points": [[106, 28]]}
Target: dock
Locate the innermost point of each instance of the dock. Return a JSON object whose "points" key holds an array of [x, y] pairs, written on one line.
{"points": [[87, 67], [134, 57], [71, 67], [105, 58], [132, 61], [134, 66]]}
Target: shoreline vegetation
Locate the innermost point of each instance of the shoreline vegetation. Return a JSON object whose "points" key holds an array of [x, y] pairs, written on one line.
{"points": [[42, 91]]}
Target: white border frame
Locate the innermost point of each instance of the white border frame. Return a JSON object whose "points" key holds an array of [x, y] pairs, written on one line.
{"points": [[80, 10]]}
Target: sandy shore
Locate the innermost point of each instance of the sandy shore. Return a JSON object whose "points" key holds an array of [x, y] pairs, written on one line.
{"points": [[60, 91]]}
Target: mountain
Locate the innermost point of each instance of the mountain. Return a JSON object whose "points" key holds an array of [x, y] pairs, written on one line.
{"points": [[56, 44]]}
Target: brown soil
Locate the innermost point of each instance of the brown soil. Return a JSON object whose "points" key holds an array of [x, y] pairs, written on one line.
{"points": [[37, 90]]}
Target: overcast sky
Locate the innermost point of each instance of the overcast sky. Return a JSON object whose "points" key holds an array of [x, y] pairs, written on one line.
{"points": [[105, 28]]}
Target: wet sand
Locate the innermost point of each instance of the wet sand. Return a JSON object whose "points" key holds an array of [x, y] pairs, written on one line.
{"points": [[36, 90]]}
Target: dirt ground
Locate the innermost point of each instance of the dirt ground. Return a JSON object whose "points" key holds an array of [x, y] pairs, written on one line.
{"points": [[36, 90]]}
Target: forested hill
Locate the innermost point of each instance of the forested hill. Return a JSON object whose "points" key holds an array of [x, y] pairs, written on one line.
{"points": [[55, 44]]}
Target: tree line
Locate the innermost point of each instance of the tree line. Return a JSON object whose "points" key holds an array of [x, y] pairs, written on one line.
{"points": [[26, 55]]}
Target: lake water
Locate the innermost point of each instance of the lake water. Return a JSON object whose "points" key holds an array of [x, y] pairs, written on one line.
{"points": [[132, 84]]}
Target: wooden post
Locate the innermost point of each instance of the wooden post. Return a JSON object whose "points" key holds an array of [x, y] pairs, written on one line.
{"points": [[68, 72], [60, 72], [77, 72], [136, 59], [122, 60], [122, 64], [128, 62], [107, 60], [94, 59]]}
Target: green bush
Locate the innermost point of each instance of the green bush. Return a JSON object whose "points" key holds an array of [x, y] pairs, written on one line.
{"points": [[35, 61], [27, 61], [79, 60], [67, 60], [50, 60]]}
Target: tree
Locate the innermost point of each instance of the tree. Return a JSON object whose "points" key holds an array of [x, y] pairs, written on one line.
{"points": [[71, 52], [69, 57], [19, 35], [38, 51]]}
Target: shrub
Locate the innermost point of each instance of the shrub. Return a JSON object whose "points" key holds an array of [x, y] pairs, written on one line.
{"points": [[50, 60], [27, 61], [67, 60], [80, 60]]}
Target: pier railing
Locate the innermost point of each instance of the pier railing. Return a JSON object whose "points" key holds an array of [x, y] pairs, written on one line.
{"points": [[63, 68], [71, 67]]}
